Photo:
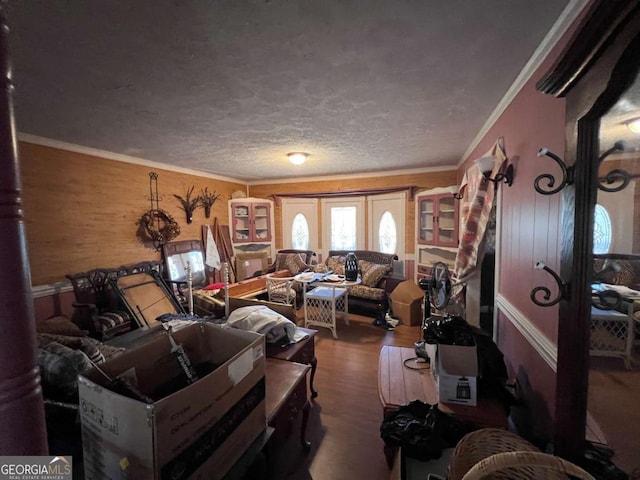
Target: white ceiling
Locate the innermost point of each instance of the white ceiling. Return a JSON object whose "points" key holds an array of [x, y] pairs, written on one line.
{"points": [[230, 86]]}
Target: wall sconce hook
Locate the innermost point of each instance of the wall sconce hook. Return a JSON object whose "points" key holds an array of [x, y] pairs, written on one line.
{"points": [[506, 177]]}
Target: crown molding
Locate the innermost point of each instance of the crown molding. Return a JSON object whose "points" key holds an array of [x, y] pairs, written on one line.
{"points": [[385, 173], [48, 142]]}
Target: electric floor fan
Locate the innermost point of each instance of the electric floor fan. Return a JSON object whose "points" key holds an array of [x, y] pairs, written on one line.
{"points": [[437, 294]]}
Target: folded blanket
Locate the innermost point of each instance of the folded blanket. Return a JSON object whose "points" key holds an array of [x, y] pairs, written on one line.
{"points": [[261, 319]]}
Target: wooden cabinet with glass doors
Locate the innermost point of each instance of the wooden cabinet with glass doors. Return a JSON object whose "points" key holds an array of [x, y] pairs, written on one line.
{"points": [[437, 218], [250, 220], [436, 227]]}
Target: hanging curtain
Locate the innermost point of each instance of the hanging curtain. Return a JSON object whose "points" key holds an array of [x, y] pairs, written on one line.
{"points": [[478, 196], [212, 257]]}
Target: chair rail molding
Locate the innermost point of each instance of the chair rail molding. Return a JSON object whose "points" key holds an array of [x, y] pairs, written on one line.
{"points": [[540, 343], [46, 290]]}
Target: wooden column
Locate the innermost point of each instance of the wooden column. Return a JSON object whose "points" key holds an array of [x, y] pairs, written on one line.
{"points": [[23, 430]]}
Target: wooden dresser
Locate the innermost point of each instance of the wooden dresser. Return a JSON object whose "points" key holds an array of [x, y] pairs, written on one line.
{"points": [[300, 352], [286, 396]]}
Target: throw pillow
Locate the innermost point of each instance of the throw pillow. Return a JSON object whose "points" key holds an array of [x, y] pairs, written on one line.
{"points": [[626, 273], [107, 351], [336, 264], [372, 273], [108, 320], [60, 366], [60, 325], [598, 266], [294, 262], [320, 268]]}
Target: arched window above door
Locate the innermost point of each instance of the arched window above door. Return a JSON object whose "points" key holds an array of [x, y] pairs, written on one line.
{"points": [[387, 233], [300, 232], [601, 230]]}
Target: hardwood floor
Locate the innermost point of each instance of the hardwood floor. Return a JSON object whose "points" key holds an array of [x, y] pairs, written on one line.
{"points": [[614, 397], [345, 417]]}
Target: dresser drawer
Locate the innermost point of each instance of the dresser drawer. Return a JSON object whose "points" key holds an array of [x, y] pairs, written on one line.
{"points": [[305, 354]]}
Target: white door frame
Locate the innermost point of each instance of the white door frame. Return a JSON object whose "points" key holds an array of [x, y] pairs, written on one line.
{"points": [[394, 203], [307, 207], [327, 204]]}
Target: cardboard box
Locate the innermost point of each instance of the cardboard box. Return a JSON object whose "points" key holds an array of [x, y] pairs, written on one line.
{"points": [[197, 432], [455, 369], [406, 302]]}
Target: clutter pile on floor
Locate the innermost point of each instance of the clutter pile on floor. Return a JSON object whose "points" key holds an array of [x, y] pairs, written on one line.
{"points": [[386, 321]]}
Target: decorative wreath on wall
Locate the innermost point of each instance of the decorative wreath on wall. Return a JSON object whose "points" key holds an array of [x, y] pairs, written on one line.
{"points": [[159, 226]]}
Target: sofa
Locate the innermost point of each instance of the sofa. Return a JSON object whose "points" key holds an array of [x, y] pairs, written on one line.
{"points": [[619, 269], [371, 297]]}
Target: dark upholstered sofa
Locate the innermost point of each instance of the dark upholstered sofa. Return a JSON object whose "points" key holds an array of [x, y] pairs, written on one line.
{"points": [[371, 296], [619, 269]]}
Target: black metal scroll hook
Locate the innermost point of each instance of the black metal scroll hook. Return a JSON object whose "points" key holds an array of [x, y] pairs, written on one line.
{"points": [[562, 288], [617, 175], [567, 174]]}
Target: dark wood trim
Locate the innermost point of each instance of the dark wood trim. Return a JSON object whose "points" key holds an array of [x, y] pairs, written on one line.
{"points": [[603, 21], [412, 189]]}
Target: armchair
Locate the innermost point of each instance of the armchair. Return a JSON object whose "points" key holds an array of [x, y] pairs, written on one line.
{"points": [[280, 289]]}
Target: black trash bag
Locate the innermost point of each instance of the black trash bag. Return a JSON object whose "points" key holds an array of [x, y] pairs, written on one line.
{"points": [[422, 430], [448, 330]]}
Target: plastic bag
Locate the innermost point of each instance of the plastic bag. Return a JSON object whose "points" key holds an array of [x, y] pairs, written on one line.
{"points": [[422, 430]]}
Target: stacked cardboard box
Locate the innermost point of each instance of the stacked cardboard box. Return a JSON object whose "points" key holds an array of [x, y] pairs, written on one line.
{"points": [[406, 302], [198, 431], [455, 370]]}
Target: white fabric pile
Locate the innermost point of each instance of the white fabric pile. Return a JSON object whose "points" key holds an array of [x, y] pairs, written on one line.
{"points": [[261, 319]]}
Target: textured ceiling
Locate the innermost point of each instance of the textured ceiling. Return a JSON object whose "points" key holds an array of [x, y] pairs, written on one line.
{"points": [[230, 86]]}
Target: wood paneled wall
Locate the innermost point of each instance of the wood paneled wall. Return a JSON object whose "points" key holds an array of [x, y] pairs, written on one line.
{"points": [[81, 211], [422, 181]]}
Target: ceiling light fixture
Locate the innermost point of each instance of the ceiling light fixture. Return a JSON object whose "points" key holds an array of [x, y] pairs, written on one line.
{"points": [[297, 158], [634, 125]]}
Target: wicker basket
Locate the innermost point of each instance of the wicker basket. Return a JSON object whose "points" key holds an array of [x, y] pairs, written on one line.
{"points": [[478, 445], [492, 453], [525, 465]]}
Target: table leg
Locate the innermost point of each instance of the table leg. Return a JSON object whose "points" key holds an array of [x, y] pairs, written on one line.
{"points": [[303, 429], [314, 365]]}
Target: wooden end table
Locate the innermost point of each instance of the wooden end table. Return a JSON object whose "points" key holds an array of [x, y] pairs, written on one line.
{"points": [[300, 352]]}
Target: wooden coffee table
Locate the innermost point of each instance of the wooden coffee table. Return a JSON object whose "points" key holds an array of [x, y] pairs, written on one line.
{"points": [[398, 385]]}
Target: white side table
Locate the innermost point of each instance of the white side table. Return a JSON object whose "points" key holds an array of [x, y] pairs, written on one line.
{"points": [[325, 301], [612, 333]]}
